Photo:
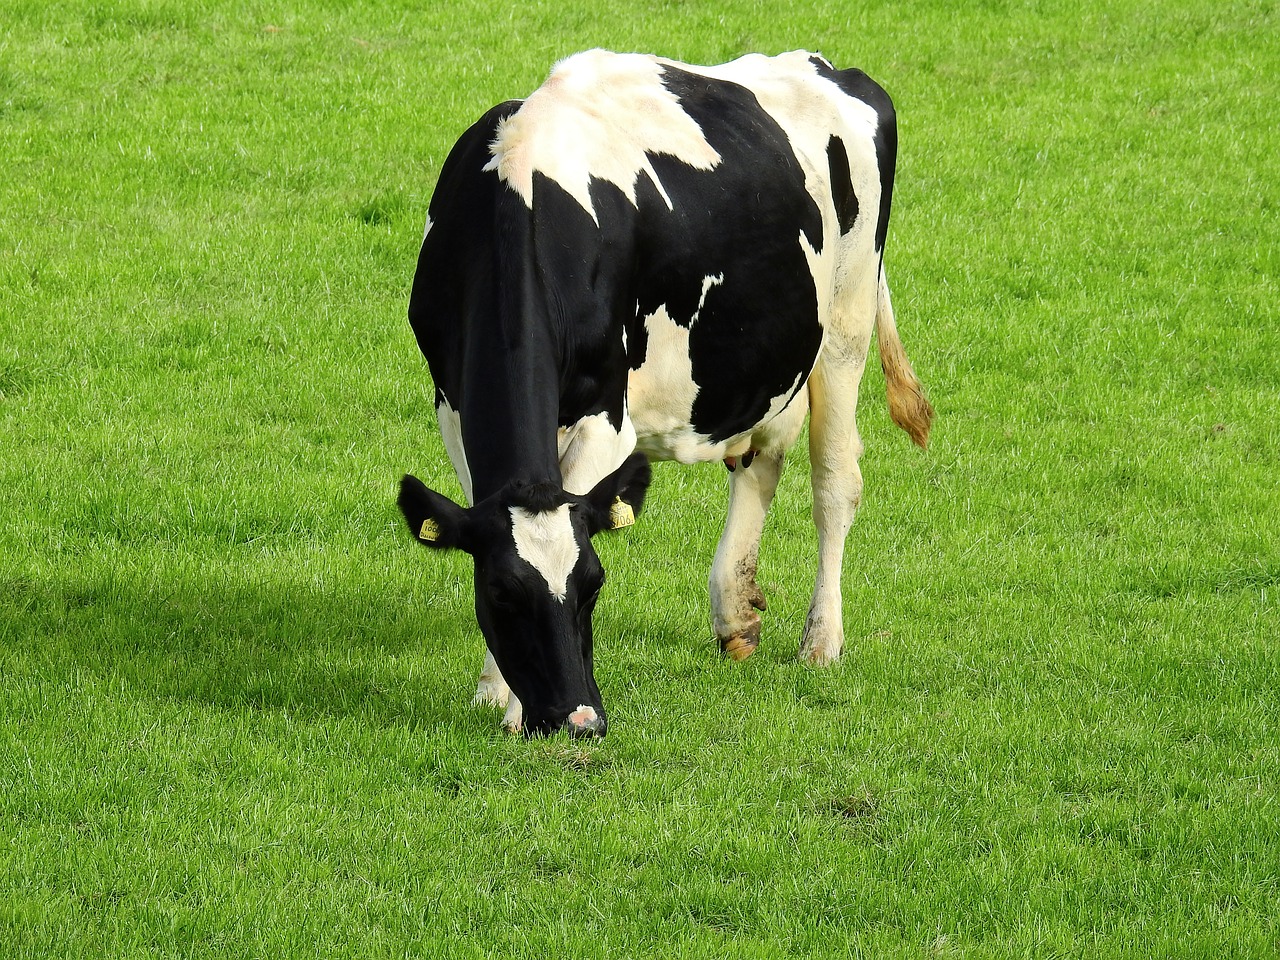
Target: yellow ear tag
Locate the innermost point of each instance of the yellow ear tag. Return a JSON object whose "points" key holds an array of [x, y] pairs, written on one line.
{"points": [[430, 531], [620, 514]]}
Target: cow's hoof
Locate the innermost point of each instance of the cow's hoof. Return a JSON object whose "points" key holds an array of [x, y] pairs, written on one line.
{"points": [[820, 656], [741, 645], [819, 652], [820, 646]]}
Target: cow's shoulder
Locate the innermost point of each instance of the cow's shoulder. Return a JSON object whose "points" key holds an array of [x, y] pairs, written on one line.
{"points": [[598, 117]]}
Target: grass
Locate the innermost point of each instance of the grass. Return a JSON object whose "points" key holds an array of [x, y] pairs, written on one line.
{"points": [[234, 698]]}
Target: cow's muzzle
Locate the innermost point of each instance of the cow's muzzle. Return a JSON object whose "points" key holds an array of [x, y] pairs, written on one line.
{"points": [[585, 721]]}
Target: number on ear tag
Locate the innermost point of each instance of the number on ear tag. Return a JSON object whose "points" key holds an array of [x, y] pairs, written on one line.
{"points": [[430, 531], [620, 514]]}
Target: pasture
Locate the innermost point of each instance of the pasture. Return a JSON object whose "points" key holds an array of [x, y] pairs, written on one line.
{"points": [[235, 709]]}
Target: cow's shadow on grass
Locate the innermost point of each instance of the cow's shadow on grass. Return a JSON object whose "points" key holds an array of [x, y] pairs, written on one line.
{"points": [[381, 654], [397, 647]]}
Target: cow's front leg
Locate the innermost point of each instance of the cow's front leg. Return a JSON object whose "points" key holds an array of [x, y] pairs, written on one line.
{"points": [[735, 595], [834, 448], [493, 691]]}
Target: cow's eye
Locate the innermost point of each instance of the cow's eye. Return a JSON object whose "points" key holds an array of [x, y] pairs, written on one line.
{"points": [[507, 595]]}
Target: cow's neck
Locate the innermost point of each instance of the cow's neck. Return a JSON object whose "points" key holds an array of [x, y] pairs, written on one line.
{"points": [[510, 413]]}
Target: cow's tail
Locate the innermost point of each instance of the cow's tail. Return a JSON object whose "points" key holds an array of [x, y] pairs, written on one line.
{"points": [[907, 404]]}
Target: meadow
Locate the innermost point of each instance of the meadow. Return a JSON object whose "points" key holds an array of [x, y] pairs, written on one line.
{"points": [[235, 714]]}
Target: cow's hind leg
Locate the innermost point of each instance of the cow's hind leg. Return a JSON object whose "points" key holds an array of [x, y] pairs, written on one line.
{"points": [[834, 449], [735, 595]]}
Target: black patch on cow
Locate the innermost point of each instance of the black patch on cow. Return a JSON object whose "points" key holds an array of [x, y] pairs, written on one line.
{"points": [[757, 330], [474, 330], [861, 87], [842, 195], [454, 282], [583, 270]]}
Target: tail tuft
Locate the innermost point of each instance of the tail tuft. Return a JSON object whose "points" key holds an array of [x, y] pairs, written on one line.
{"points": [[907, 404]]}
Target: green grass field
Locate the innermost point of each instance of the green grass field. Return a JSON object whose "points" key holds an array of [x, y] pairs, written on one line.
{"points": [[235, 712]]}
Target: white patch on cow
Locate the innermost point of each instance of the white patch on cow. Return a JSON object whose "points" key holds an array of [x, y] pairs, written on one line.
{"points": [[583, 715], [591, 449], [545, 541], [426, 229], [451, 432], [707, 284], [598, 115], [661, 393]]}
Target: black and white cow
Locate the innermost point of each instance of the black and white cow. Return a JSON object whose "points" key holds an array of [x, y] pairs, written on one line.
{"points": [[650, 256]]}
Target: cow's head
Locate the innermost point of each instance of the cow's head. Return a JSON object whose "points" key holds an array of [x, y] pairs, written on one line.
{"points": [[537, 578]]}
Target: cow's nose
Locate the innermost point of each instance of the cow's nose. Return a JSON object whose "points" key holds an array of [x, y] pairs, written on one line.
{"points": [[585, 722]]}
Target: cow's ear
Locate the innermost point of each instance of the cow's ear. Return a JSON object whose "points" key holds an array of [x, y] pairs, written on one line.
{"points": [[432, 517], [618, 498]]}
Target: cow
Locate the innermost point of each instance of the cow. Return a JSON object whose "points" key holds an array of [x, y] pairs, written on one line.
{"points": [[643, 260]]}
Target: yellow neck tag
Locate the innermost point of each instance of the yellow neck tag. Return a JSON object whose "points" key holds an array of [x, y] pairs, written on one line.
{"points": [[430, 531], [620, 514]]}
